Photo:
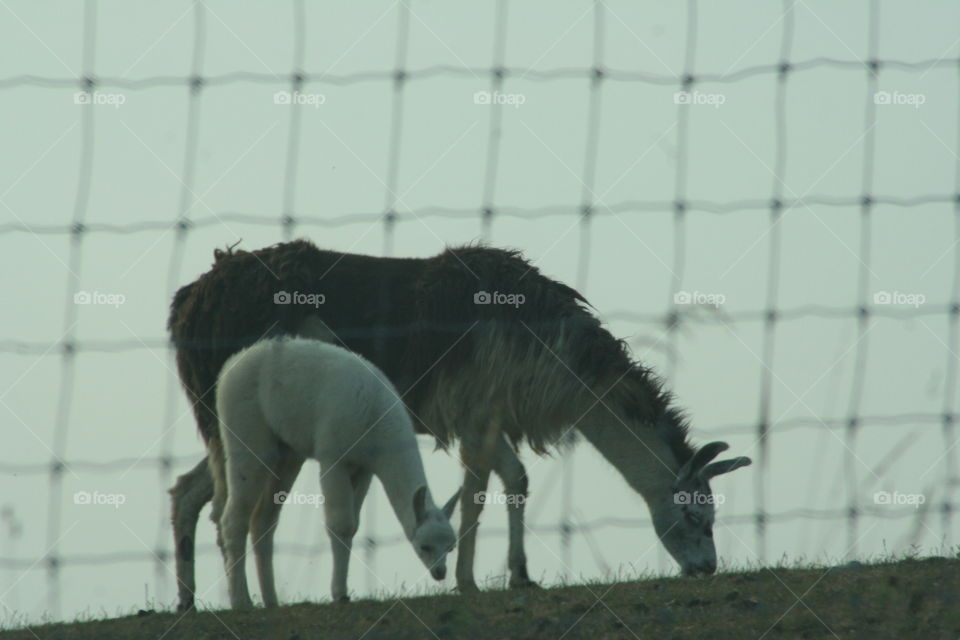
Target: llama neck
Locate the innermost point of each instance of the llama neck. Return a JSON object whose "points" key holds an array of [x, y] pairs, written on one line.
{"points": [[641, 456], [640, 434], [399, 468]]}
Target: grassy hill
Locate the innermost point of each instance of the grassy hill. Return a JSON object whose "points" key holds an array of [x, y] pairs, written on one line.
{"points": [[903, 599]]}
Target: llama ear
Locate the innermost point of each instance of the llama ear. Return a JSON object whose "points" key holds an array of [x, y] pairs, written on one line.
{"points": [[419, 505], [451, 505], [724, 466], [704, 454]]}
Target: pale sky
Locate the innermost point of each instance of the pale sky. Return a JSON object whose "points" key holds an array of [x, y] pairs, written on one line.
{"points": [[124, 165]]}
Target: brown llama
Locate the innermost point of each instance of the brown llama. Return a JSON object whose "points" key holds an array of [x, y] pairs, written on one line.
{"points": [[483, 349]]}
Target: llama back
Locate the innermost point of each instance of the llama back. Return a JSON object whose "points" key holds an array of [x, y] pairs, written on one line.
{"points": [[536, 359]]}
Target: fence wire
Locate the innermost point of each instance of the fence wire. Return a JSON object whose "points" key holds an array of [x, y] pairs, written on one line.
{"points": [[486, 213]]}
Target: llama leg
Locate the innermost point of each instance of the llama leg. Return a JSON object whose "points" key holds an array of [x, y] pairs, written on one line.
{"points": [[218, 474], [478, 456], [192, 490], [341, 523], [508, 466], [263, 524], [246, 476]]}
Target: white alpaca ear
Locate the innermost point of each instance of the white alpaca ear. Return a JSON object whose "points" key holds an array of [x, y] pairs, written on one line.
{"points": [[451, 505], [420, 505]]}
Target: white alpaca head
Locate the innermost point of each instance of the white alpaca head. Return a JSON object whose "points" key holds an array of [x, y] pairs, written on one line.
{"points": [[433, 537], [685, 522]]}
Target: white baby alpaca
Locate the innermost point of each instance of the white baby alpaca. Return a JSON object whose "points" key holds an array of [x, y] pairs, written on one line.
{"points": [[283, 400]]}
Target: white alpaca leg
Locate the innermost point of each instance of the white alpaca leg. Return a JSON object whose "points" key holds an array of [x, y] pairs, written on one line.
{"points": [[246, 476], [508, 466], [192, 490], [361, 484], [263, 524], [341, 523]]}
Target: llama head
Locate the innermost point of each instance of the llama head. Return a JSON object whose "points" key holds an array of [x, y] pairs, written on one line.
{"points": [[433, 537], [684, 520]]}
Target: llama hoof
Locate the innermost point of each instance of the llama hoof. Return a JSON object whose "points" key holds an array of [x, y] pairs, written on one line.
{"points": [[343, 599], [468, 588], [523, 583], [184, 607]]}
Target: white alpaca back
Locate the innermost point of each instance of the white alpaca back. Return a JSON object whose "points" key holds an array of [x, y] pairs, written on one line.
{"points": [[319, 399]]}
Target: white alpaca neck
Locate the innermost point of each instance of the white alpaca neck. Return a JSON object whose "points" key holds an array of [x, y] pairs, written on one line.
{"points": [[398, 466]]}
